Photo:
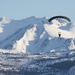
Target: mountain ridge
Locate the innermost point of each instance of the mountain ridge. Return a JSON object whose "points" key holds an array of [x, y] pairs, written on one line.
{"points": [[37, 35]]}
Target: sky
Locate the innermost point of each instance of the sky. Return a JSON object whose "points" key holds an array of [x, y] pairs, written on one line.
{"points": [[21, 9]]}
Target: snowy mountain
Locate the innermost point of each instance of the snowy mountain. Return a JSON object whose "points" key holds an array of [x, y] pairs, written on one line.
{"points": [[36, 35], [32, 46]]}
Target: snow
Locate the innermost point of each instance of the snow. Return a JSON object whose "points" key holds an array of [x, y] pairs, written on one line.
{"points": [[33, 44], [37, 35], [53, 31], [52, 50]]}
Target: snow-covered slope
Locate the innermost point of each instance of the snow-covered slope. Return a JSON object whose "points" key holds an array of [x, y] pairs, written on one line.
{"points": [[46, 53], [37, 35]]}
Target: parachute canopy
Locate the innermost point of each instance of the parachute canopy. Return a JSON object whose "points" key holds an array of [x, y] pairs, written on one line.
{"points": [[63, 17]]}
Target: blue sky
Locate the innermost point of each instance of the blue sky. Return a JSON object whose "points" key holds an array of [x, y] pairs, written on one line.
{"points": [[20, 9]]}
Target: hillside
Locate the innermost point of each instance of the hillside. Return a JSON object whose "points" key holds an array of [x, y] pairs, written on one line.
{"points": [[32, 46], [36, 35]]}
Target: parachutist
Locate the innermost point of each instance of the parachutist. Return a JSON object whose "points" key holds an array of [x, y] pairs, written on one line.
{"points": [[59, 34]]}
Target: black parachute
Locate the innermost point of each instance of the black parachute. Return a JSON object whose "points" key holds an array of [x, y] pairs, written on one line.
{"points": [[63, 17]]}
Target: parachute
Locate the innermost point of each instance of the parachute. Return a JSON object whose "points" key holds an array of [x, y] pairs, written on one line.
{"points": [[63, 17]]}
